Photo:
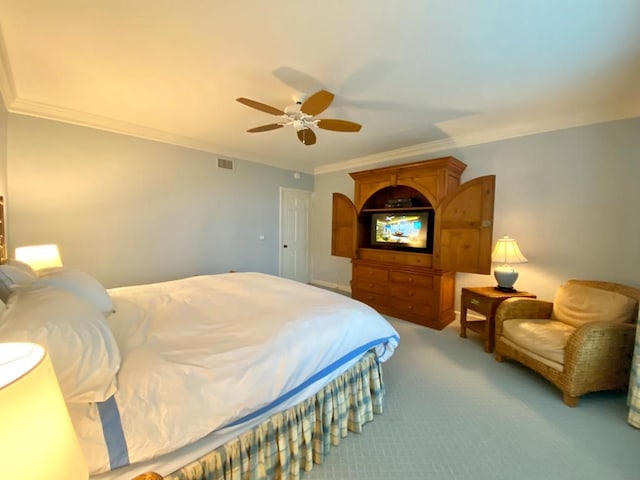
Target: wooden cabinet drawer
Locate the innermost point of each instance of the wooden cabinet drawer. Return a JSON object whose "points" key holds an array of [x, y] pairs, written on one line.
{"points": [[411, 279], [371, 273], [369, 285], [412, 308], [412, 293], [371, 298]]}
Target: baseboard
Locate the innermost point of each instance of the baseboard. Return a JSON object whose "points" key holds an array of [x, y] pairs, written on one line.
{"points": [[332, 286]]}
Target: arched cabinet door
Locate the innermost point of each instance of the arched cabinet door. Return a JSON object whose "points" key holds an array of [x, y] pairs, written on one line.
{"points": [[464, 228], [344, 224]]}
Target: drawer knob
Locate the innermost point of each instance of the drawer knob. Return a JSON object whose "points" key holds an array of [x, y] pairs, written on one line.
{"points": [[473, 301]]}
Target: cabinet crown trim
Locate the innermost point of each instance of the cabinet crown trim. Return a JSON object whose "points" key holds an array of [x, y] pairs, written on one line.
{"points": [[451, 163]]}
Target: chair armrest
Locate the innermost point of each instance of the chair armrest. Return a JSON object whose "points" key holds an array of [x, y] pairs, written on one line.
{"points": [[522, 308], [597, 347]]}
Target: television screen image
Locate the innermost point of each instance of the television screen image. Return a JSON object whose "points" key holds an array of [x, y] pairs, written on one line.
{"points": [[404, 230]]}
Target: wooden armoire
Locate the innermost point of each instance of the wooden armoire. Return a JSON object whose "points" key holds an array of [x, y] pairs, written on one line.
{"points": [[415, 284]]}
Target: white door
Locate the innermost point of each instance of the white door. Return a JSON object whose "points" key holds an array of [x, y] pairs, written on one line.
{"points": [[294, 234]]}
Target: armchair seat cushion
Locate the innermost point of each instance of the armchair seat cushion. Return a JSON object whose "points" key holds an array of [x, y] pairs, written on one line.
{"points": [[546, 338], [577, 304]]}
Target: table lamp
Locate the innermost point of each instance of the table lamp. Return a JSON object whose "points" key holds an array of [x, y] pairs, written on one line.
{"points": [[37, 439], [39, 256], [506, 253]]}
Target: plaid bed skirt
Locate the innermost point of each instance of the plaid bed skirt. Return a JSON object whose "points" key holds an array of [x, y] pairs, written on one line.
{"points": [[292, 441], [634, 385]]}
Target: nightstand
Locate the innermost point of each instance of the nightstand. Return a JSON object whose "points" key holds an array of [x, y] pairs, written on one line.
{"points": [[484, 300]]}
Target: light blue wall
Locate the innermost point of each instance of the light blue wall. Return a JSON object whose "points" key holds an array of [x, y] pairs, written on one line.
{"points": [[570, 198], [131, 211]]}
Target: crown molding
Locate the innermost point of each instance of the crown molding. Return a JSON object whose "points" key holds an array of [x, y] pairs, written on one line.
{"points": [[487, 135], [14, 104], [83, 119], [51, 112], [460, 140], [7, 87], [377, 158]]}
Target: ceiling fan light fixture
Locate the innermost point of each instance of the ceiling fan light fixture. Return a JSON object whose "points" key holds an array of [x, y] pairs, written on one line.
{"points": [[306, 136], [301, 116]]}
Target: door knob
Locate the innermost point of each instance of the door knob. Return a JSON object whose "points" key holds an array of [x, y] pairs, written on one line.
{"points": [[285, 246]]}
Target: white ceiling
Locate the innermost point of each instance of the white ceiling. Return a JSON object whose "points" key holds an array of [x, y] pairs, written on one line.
{"points": [[418, 75]]}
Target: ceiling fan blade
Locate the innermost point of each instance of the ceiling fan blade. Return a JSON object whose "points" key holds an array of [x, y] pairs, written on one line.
{"points": [[317, 103], [306, 136], [260, 106], [265, 128], [338, 125]]}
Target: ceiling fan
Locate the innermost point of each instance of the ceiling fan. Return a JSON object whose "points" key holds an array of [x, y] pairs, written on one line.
{"points": [[301, 116]]}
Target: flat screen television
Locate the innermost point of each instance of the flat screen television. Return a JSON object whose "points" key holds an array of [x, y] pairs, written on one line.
{"points": [[402, 230]]}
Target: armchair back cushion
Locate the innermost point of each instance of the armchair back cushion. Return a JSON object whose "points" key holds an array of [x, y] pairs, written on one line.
{"points": [[577, 304]]}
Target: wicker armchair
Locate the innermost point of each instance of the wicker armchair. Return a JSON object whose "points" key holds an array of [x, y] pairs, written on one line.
{"points": [[585, 356]]}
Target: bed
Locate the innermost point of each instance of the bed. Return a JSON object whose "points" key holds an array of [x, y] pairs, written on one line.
{"points": [[236, 375]]}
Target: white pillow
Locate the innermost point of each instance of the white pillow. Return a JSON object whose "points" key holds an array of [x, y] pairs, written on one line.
{"points": [[78, 283], [22, 266], [12, 276], [83, 351]]}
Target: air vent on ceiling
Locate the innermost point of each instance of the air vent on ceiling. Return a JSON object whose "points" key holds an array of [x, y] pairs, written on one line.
{"points": [[224, 163]]}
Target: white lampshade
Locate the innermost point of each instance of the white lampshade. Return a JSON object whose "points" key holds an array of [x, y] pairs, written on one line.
{"points": [[37, 439], [39, 256], [506, 253]]}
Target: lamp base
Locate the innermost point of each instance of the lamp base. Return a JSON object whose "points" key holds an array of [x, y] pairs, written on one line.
{"points": [[505, 289], [505, 276]]}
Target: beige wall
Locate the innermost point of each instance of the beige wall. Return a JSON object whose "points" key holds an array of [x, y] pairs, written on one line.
{"points": [[569, 198], [3, 148], [3, 154]]}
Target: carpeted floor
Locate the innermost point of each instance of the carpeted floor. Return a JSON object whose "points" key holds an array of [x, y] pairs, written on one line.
{"points": [[453, 413]]}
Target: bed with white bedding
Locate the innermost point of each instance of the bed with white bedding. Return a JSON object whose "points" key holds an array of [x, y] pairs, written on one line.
{"points": [[237, 372]]}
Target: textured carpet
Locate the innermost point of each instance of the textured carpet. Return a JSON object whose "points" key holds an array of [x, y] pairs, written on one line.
{"points": [[453, 412]]}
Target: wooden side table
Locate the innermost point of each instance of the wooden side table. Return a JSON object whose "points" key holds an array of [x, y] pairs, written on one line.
{"points": [[484, 300]]}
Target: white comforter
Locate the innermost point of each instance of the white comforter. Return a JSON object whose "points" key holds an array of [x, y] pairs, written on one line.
{"points": [[206, 352]]}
